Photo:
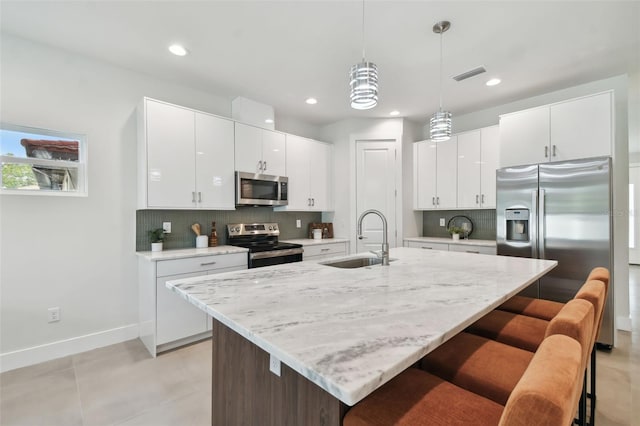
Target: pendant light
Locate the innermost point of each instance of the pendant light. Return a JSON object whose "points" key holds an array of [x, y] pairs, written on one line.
{"points": [[440, 123], [363, 80]]}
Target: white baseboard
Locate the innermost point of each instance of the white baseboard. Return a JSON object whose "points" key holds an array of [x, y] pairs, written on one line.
{"points": [[623, 323], [61, 348]]}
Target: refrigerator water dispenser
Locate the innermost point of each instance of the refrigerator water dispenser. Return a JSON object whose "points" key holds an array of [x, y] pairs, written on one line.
{"points": [[517, 224]]}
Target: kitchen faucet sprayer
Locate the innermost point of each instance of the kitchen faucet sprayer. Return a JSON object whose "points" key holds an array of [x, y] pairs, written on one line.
{"points": [[385, 243]]}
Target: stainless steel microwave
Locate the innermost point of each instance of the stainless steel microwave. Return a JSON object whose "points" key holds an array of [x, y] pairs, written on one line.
{"points": [[261, 190]]}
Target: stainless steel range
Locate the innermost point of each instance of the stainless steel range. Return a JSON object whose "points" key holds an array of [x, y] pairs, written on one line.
{"points": [[262, 241]]}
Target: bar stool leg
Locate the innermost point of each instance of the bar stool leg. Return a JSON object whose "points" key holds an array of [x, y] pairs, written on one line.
{"points": [[592, 395]]}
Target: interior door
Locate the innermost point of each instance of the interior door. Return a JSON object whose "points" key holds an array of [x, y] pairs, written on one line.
{"points": [[634, 214], [376, 189]]}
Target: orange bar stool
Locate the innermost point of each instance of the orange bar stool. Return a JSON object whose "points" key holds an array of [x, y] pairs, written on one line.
{"points": [[546, 394], [493, 369]]}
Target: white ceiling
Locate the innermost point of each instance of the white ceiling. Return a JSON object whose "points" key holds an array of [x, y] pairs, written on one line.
{"points": [[281, 52]]}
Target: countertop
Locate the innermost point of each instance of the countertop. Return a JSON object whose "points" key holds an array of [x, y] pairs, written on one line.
{"points": [[312, 242], [482, 243], [190, 252], [351, 330]]}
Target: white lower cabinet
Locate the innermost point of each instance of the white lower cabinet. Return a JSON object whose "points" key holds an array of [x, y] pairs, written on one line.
{"points": [[323, 251], [166, 319], [461, 247]]}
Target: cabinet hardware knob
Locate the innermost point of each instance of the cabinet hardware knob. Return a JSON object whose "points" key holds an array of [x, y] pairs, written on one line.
{"points": [[199, 196], [482, 198], [193, 196], [438, 200], [309, 202], [265, 166], [207, 263], [427, 248], [313, 202], [554, 150], [433, 200], [472, 251], [546, 151], [260, 165], [325, 249], [477, 199]]}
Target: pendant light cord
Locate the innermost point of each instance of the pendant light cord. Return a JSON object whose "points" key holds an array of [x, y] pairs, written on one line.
{"points": [[362, 30], [441, 69]]}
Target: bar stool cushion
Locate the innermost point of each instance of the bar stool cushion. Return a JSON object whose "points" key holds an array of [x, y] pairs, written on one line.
{"points": [[594, 292], [549, 390], [480, 365], [575, 320], [537, 308], [417, 398], [512, 329]]}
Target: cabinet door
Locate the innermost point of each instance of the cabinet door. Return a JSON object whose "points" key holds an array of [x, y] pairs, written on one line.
{"points": [[298, 172], [214, 162], [320, 176], [220, 271], [447, 174], [248, 148], [581, 128], [176, 318], [424, 175], [489, 160], [469, 170], [170, 156], [273, 153], [524, 137]]}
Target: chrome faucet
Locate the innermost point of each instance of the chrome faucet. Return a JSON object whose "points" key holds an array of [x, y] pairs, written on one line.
{"points": [[385, 243]]}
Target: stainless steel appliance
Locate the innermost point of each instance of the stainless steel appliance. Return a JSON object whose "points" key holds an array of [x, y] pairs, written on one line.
{"points": [[559, 211], [261, 190], [262, 241]]}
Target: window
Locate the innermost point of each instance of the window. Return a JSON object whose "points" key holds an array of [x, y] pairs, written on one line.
{"points": [[38, 161]]}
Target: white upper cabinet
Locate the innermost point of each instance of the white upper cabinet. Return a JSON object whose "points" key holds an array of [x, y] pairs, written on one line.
{"points": [[184, 158], [489, 161], [581, 128], [308, 164], [469, 170], [568, 130], [215, 184], [435, 174], [524, 137], [259, 150]]}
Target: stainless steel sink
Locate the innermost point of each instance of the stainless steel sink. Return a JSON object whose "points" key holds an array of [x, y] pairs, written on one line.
{"points": [[357, 262]]}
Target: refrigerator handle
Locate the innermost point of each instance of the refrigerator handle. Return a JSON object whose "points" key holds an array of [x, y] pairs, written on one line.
{"points": [[533, 228], [541, 232]]}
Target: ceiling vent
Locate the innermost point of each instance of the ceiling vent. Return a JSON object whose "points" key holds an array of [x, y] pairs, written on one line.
{"points": [[468, 74]]}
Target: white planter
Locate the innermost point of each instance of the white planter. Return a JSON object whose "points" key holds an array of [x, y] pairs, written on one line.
{"points": [[456, 237], [156, 246]]}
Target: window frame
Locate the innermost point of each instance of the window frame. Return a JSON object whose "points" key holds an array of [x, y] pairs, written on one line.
{"points": [[80, 166]]}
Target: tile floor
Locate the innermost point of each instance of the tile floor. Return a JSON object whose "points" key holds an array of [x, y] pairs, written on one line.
{"points": [[122, 385]]}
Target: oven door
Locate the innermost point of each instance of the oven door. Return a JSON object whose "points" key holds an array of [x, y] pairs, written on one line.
{"points": [[261, 190], [274, 257]]}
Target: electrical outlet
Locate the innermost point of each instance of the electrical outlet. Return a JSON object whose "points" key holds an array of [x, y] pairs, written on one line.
{"points": [[298, 223], [274, 365], [166, 227], [442, 221], [54, 314]]}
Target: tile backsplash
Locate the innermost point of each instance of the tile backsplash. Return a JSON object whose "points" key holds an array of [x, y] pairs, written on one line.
{"points": [[181, 220], [484, 223]]}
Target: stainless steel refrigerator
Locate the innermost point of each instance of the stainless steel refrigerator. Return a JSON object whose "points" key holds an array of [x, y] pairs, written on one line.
{"points": [[559, 211]]}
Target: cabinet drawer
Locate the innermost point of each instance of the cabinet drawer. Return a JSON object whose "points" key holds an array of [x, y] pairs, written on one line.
{"points": [[324, 249], [200, 264], [428, 246], [472, 249]]}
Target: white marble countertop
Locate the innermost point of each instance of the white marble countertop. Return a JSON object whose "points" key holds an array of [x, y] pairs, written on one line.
{"points": [[482, 243], [312, 242], [352, 330], [189, 252]]}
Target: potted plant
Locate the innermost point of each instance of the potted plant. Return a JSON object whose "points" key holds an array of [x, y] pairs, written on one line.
{"points": [[156, 236], [455, 232]]}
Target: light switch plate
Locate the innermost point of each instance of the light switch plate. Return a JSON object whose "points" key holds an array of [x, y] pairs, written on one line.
{"points": [[274, 365], [298, 223], [442, 221]]}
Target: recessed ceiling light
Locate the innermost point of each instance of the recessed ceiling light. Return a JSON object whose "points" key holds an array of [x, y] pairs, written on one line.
{"points": [[268, 121], [493, 82], [394, 113], [311, 101], [178, 50]]}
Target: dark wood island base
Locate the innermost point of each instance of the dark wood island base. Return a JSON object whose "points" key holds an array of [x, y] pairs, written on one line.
{"points": [[246, 392]]}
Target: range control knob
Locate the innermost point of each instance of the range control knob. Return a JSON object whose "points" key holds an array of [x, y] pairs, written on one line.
{"points": [[271, 228], [237, 229], [275, 227]]}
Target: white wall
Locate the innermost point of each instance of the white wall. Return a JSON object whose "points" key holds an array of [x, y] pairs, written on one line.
{"points": [[75, 253], [343, 135], [624, 125]]}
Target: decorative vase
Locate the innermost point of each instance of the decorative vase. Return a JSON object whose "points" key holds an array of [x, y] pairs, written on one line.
{"points": [[156, 246], [456, 237]]}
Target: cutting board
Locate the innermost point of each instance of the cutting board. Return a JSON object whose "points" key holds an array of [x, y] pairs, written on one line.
{"points": [[326, 234]]}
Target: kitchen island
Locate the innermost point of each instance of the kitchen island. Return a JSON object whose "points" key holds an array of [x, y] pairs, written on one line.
{"points": [[335, 335]]}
